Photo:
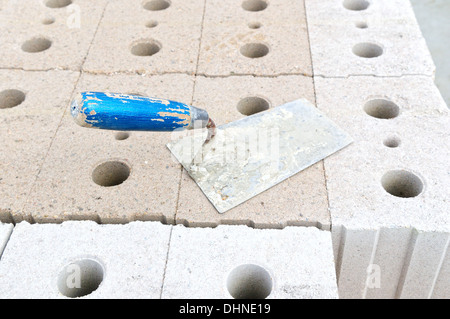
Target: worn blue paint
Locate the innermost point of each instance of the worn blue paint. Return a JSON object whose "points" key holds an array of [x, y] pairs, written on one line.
{"points": [[124, 112]]}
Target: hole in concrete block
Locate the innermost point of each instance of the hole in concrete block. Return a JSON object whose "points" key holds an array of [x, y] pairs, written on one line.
{"points": [[382, 109], [254, 25], [252, 105], [11, 98], [367, 50], [361, 25], [254, 50], [254, 5], [402, 183], [157, 5], [249, 281], [58, 3], [120, 136], [392, 142], [151, 24], [356, 5], [80, 278], [48, 20], [111, 173], [146, 48], [36, 45]]}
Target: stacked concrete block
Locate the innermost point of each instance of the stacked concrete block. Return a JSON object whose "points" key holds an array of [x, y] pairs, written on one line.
{"points": [[300, 200], [83, 259], [388, 191], [108, 176], [31, 107], [240, 262], [151, 260], [254, 37], [48, 34], [362, 37], [152, 36]]}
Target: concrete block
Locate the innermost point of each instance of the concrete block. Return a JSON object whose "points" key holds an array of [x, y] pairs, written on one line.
{"points": [[399, 155], [377, 42], [300, 200], [5, 232], [391, 263], [110, 176], [31, 107], [254, 37], [84, 259], [48, 34], [426, 262], [149, 37], [240, 262], [331, 12], [388, 191]]}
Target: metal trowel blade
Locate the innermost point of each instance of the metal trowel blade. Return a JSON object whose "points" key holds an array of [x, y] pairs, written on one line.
{"points": [[250, 155]]}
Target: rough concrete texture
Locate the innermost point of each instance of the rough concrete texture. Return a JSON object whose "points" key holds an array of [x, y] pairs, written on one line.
{"points": [[382, 40], [395, 223], [245, 262], [149, 38], [300, 200], [140, 180], [31, 107], [391, 263], [254, 37], [407, 142], [386, 195], [47, 34], [5, 232], [152, 260], [114, 261]]}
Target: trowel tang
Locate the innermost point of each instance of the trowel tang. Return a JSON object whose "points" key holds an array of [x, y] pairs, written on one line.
{"points": [[123, 112]]}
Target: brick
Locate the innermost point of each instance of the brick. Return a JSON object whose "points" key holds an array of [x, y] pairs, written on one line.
{"points": [[32, 104], [125, 43], [279, 46], [299, 200], [390, 44], [37, 37], [327, 12], [117, 261], [295, 262], [419, 125], [66, 189], [379, 217]]}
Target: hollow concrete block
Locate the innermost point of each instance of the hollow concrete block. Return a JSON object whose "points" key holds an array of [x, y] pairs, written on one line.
{"points": [[48, 34], [273, 40], [109, 176], [376, 41], [149, 37], [300, 200], [84, 259], [388, 190], [5, 232], [240, 262], [391, 12], [31, 107]]}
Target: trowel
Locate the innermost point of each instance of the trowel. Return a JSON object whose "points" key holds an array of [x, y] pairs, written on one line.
{"points": [[230, 163]]}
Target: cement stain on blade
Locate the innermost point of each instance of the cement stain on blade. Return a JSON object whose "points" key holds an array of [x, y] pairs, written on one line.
{"points": [[250, 155]]}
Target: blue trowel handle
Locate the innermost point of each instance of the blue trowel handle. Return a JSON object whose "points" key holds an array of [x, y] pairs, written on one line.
{"points": [[123, 112]]}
